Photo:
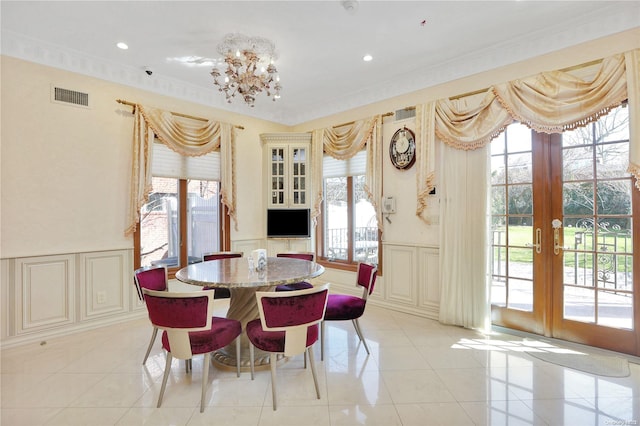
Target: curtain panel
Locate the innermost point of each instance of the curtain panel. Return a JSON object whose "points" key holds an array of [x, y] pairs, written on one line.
{"points": [[187, 137], [343, 143]]}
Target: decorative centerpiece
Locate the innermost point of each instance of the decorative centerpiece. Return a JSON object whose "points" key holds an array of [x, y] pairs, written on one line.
{"points": [[259, 259]]}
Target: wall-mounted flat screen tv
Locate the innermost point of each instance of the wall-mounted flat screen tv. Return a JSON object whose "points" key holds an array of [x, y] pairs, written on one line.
{"points": [[288, 223]]}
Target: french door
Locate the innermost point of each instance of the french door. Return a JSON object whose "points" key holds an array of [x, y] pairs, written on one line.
{"points": [[563, 213]]}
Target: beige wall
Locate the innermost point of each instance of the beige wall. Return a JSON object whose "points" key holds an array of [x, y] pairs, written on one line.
{"points": [[65, 170]]}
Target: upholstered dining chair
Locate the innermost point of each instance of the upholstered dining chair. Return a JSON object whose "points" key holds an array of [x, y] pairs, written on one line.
{"points": [[289, 325], [190, 329], [221, 293], [152, 278], [302, 284], [342, 307]]}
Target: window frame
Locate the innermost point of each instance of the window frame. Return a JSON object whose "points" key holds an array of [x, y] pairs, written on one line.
{"points": [[224, 230], [350, 264]]}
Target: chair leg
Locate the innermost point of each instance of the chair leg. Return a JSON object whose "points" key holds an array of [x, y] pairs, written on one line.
{"points": [[322, 341], [238, 359], [313, 369], [153, 339], [272, 361], [205, 379], [167, 369], [356, 325], [251, 365]]}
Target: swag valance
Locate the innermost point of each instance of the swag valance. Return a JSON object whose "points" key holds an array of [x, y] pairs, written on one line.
{"points": [[549, 102], [343, 143], [185, 136]]}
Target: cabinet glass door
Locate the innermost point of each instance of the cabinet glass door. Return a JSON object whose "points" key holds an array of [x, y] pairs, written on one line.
{"points": [[277, 176], [298, 176]]}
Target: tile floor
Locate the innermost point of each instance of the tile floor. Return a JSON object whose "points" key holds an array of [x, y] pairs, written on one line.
{"points": [[419, 373]]}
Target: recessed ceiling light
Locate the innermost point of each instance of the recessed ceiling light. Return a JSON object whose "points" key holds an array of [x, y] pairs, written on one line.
{"points": [[122, 45], [367, 58]]}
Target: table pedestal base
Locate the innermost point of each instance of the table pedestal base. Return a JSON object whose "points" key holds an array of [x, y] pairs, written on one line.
{"points": [[244, 308]]}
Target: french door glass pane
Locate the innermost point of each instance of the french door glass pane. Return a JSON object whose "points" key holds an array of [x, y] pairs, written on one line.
{"points": [[598, 246], [203, 212], [366, 225], [336, 237], [159, 224], [512, 219], [579, 304], [521, 295]]}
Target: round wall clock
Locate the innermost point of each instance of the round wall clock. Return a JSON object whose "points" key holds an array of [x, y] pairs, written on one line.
{"points": [[402, 149]]}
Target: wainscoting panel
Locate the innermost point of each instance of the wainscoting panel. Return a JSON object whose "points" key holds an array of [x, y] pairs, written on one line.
{"points": [[400, 273], [247, 246], [49, 296], [429, 278], [105, 287], [44, 289], [410, 283]]}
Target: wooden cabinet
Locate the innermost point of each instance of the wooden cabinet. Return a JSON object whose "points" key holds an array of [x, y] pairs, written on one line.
{"points": [[283, 245], [288, 166], [288, 183]]}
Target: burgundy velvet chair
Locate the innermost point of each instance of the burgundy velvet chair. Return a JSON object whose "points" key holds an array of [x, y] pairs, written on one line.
{"points": [[190, 329], [221, 293], [342, 307], [152, 278], [288, 325], [299, 285]]}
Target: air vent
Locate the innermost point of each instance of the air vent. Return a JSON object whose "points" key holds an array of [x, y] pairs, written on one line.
{"points": [[70, 97], [403, 114]]}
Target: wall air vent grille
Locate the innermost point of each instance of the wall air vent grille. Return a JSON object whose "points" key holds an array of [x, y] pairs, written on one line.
{"points": [[403, 114], [71, 97]]}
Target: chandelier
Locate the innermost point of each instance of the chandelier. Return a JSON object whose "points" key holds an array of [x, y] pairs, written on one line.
{"points": [[250, 69]]}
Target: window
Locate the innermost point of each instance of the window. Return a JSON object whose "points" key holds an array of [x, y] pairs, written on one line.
{"points": [[348, 231], [183, 218]]}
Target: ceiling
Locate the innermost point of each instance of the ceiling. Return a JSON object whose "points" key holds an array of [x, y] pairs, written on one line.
{"points": [[415, 44]]}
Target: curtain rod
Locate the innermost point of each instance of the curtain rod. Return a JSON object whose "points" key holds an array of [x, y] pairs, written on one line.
{"points": [[193, 117], [351, 122], [571, 68]]}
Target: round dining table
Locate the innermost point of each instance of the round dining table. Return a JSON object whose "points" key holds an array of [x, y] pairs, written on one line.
{"points": [[243, 282]]}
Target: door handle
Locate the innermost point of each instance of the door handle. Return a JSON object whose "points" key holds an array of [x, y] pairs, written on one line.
{"points": [[557, 246], [538, 243]]}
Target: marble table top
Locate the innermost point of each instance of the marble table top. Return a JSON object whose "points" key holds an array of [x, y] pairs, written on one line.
{"points": [[235, 273]]}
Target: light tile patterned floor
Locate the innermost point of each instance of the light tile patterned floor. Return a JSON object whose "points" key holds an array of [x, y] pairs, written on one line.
{"points": [[419, 373]]}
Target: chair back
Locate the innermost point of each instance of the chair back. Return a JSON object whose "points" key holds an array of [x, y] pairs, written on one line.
{"points": [[220, 255], [367, 274], [150, 277], [293, 312], [299, 255], [178, 314]]}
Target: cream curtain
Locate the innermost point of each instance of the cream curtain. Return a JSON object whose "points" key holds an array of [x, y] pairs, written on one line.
{"points": [[547, 102], [463, 238], [552, 102], [343, 143], [632, 63], [187, 137], [425, 153]]}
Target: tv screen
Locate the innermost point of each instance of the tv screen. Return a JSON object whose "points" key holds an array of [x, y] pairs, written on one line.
{"points": [[286, 223]]}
